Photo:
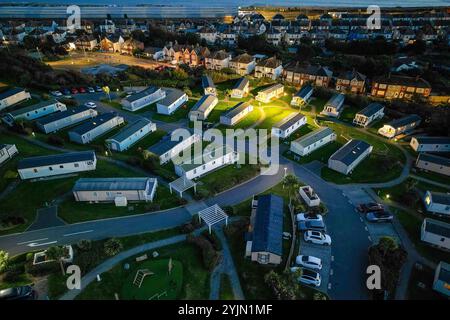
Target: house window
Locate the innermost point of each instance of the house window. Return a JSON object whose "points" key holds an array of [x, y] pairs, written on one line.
{"points": [[35, 170], [76, 165], [61, 167], [263, 258], [50, 168]]}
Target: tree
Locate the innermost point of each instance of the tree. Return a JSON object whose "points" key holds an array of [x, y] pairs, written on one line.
{"points": [[291, 182], [112, 247], [57, 253], [84, 245], [4, 260], [282, 286]]}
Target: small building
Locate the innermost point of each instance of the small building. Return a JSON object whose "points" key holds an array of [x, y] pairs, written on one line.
{"points": [[437, 203], [208, 85], [441, 282], [131, 134], [167, 148], [236, 114], [141, 99], [303, 96], [118, 190], [64, 119], [273, 92], [313, 141], [400, 126], [90, 130], [309, 196], [12, 96], [436, 233], [433, 163], [430, 144], [7, 151], [265, 234], [241, 89], [203, 108], [289, 125], [369, 114], [172, 101], [334, 106], [35, 111], [349, 156], [56, 164]]}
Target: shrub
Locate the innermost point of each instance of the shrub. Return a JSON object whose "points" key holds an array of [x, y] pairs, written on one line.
{"points": [[84, 245], [210, 257], [4, 260], [212, 237], [42, 269], [112, 247], [12, 275], [9, 174]]}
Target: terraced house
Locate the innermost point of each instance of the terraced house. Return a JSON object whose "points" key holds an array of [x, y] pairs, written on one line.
{"points": [[299, 74], [351, 81], [243, 64], [400, 87], [270, 68]]}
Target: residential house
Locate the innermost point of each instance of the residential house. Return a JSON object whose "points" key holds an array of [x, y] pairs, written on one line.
{"points": [[7, 151], [274, 36], [430, 144], [172, 101], [273, 92], [112, 43], [369, 114], [298, 74], [13, 96], [400, 87], [289, 125], [131, 46], [35, 111], [236, 114], [143, 98], [351, 81], [312, 141], [170, 146], [269, 68], [154, 53], [130, 134], [349, 156], [59, 35], [441, 281], [436, 233], [433, 163], [203, 108], [208, 34], [241, 89], [243, 64], [228, 37], [218, 60], [334, 106], [400, 126], [86, 43], [107, 27], [437, 203], [208, 85], [64, 119], [95, 127]]}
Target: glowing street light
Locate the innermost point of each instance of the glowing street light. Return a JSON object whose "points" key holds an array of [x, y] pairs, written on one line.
{"points": [[388, 196]]}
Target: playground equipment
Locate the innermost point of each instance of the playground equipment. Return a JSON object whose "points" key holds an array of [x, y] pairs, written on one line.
{"points": [[140, 276]]}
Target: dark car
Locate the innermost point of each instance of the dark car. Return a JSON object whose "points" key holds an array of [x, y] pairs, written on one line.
{"points": [[18, 293], [98, 89], [74, 90], [311, 225], [379, 216], [65, 91], [371, 206], [81, 90]]}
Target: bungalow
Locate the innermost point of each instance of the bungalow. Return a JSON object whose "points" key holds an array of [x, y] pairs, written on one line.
{"points": [[203, 108], [86, 42], [436, 233], [13, 96], [117, 190], [212, 158], [236, 114], [35, 111], [289, 125], [303, 96], [433, 163], [7, 151], [131, 134], [313, 141], [172, 101], [349, 156], [141, 99], [441, 282], [265, 233], [430, 144], [400, 87], [369, 114], [56, 164], [243, 64], [95, 127], [218, 60], [60, 120], [208, 85], [241, 88], [167, 148], [399, 126], [130, 46], [437, 203], [269, 68], [272, 92], [334, 106]]}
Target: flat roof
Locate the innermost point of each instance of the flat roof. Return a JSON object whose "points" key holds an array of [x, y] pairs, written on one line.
{"points": [[371, 109], [231, 113], [351, 151], [33, 107], [141, 94], [112, 184], [404, 121], [432, 140], [130, 129], [61, 115], [172, 95], [314, 136], [94, 122], [288, 121], [10, 92], [434, 159], [54, 159], [437, 227], [204, 102]]}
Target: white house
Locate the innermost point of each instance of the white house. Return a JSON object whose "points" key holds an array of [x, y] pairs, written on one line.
{"points": [[313, 141], [35, 111], [334, 106], [349, 156], [141, 99], [218, 60], [167, 148], [399, 126], [56, 164], [118, 190], [437, 203], [241, 88], [269, 93], [436, 233], [131, 134], [309, 196], [7, 151], [203, 108], [288, 125], [302, 96], [243, 64], [60, 120], [172, 101], [208, 34], [236, 114], [433, 163], [90, 130], [430, 144], [269, 68], [369, 114], [441, 282], [13, 96], [208, 85]]}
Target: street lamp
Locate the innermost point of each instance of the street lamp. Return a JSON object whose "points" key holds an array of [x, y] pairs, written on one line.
{"points": [[285, 172], [388, 196]]}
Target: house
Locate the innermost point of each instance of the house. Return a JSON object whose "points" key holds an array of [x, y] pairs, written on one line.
{"points": [[299, 74], [269, 68], [112, 43], [334, 106], [212, 158], [241, 89], [237, 113], [154, 53], [35, 111], [437, 203], [303, 96], [351, 81], [218, 60], [309, 196], [167, 148], [203, 108], [208, 34], [86, 43], [130, 134], [208, 85], [130, 46], [430, 144], [433, 163], [190, 55], [13, 96], [107, 27], [7, 151], [273, 92], [400, 87], [289, 125], [243, 64], [117, 190], [56, 164], [441, 282], [60, 120], [312, 141], [172, 101], [349, 156], [141, 99], [435, 233], [274, 36], [369, 114], [399, 126], [95, 127], [265, 233]]}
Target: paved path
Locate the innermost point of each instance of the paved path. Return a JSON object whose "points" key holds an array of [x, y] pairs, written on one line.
{"points": [[439, 184], [46, 218]]}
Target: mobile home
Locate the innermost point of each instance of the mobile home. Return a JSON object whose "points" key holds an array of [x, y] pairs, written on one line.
{"points": [[130, 134], [95, 127]]}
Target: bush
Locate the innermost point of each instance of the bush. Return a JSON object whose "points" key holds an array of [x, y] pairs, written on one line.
{"points": [[112, 247], [212, 237], [84, 245], [42, 269], [210, 257], [12, 275], [4, 260]]}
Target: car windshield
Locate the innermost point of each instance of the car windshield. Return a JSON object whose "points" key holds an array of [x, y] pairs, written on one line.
{"points": [[309, 273], [305, 258]]}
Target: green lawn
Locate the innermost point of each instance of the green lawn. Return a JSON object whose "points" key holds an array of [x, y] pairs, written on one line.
{"points": [[179, 114], [274, 115], [348, 113], [220, 108], [321, 154], [426, 277], [226, 291], [249, 119], [141, 145], [318, 103], [433, 176]]}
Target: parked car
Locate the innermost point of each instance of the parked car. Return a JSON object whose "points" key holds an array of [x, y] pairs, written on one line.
{"points": [[74, 90], [65, 91], [56, 93], [309, 217], [317, 237], [81, 90], [310, 277], [371, 206], [90, 90], [91, 105], [310, 262], [311, 225], [98, 89], [379, 216], [18, 293]]}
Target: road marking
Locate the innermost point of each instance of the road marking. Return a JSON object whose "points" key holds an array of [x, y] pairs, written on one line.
{"points": [[75, 233], [360, 218], [34, 244], [332, 258], [370, 239], [31, 241], [366, 229], [329, 286], [331, 272]]}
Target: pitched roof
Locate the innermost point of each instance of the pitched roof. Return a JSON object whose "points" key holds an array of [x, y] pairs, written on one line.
{"points": [[61, 115], [56, 159], [288, 121], [434, 159], [33, 107], [397, 123], [231, 113], [437, 227], [243, 58], [304, 91], [172, 95], [350, 75], [272, 62], [130, 129], [204, 102], [314, 136], [141, 94], [336, 100], [440, 197], [271, 88], [432, 140], [404, 81], [164, 145], [94, 123], [207, 82], [241, 84], [371, 109], [10, 92], [208, 154], [351, 151], [112, 184]]}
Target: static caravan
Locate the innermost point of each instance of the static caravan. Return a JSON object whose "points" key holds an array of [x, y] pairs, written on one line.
{"points": [[7, 151], [433, 163], [241, 88], [441, 282], [289, 125], [203, 108], [173, 100], [436, 233], [95, 127], [313, 141], [35, 111], [273, 92], [141, 99], [369, 114], [167, 148], [236, 114], [349, 156], [400, 126], [13, 96], [334, 106], [437, 203], [64, 119], [430, 144], [130, 134], [303, 96], [208, 86]]}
